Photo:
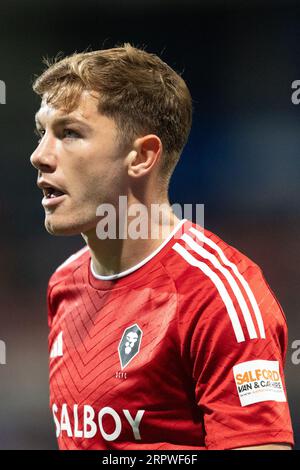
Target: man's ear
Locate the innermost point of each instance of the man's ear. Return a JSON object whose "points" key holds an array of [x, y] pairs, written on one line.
{"points": [[146, 155], [131, 156]]}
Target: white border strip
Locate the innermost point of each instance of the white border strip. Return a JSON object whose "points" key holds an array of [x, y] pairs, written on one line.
{"points": [[241, 278], [220, 287], [232, 282]]}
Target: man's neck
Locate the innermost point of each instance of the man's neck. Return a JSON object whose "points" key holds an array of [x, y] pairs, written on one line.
{"points": [[114, 255]]}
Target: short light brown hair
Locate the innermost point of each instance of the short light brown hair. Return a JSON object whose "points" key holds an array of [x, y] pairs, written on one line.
{"points": [[136, 88]]}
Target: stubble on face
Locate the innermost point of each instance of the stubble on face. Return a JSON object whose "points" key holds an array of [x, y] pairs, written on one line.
{"points": [[90, 168]]}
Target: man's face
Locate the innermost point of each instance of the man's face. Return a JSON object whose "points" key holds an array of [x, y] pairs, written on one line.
{"points": [[79, 163]]}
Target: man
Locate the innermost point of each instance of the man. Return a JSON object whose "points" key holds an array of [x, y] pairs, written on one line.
{"points": [[167, 342]]}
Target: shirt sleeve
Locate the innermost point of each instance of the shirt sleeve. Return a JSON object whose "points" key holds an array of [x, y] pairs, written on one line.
{"points": [[237, 353]]}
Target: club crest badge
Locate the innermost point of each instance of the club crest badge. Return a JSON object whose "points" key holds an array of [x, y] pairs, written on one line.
{"points": [[129, 345]]}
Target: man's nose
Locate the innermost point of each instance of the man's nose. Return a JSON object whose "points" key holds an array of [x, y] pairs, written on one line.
{"points": [[44, 156]]}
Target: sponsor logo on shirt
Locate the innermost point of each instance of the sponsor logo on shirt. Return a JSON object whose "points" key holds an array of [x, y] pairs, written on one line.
{"points": [[85, 421], [130, 344], [257, 381]]}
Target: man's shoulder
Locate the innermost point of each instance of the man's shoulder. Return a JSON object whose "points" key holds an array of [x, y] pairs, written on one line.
{"points": [[72, 263], [221, 285], [198, 254]]}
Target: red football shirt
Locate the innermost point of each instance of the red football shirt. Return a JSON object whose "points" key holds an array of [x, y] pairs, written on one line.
{"points": [[183, 351]]}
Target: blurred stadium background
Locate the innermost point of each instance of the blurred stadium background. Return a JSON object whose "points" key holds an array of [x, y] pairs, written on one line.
{"points": [[242, 161]]}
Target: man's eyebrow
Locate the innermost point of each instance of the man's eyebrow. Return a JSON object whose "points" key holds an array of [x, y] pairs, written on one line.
{"points": [[64, 120]]}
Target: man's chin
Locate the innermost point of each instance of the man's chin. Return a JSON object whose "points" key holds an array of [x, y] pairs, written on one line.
{"points": [[64, 228], [61, 230]]}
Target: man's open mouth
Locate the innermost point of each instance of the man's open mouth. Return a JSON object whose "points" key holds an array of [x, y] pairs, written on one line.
{"points": [[51, 192], [53, 195]]}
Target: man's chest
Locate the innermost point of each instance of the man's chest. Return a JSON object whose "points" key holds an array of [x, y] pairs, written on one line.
{"points": [[112, 346], [115, 367]]}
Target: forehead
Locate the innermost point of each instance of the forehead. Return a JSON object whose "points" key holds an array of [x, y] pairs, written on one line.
{"points": [[86, 111]]}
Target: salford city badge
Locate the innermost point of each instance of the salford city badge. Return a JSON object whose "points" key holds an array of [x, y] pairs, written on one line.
{"points": [[130, 344]]}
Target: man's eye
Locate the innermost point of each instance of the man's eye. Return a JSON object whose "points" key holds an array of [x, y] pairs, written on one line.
{"points": [[66, 133], [70, 133], [39, 133]]}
